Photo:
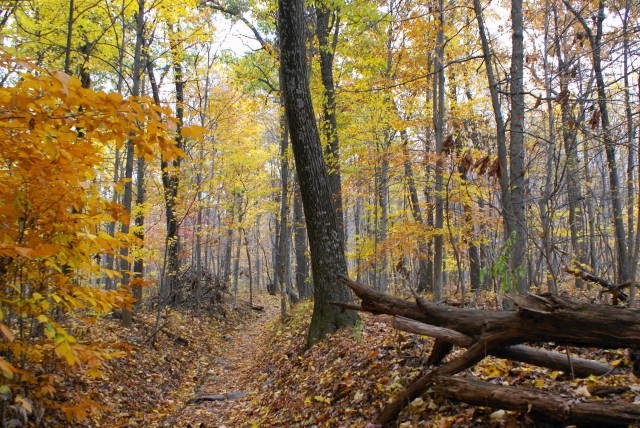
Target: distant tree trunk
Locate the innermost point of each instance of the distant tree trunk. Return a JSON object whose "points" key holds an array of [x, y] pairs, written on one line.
{"points": [[138, 264], [517, 151], [326, 245], [631, 153], [171, 179], [438, 122], [127, 194], [67, 48], [236, 259], [416, 212], [302, 267], [327, 30], [545, 201], [228, 244], [282, 246], [572, 161], [595, 42], [501, 130], [357, 219], [382, 193]]}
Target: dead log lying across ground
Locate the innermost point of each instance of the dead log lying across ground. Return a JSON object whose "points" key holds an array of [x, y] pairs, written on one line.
{"points": [[537, 319], [580, 367], [539, 404]]}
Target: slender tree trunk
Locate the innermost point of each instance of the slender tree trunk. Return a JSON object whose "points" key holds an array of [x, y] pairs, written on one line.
{"points": [[138, 264], [326, 245], [544, 203], [327, 30], [416, 212], [517, 152], [509, 216], [438, 122], [127, 194], [171, 179], [282, 240], [302, 267], [595, 42], [67, 48], [572, 160], [631, 152], [382, 192]]}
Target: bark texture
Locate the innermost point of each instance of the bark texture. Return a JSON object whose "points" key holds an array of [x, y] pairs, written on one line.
{"points": [[326, 247]]}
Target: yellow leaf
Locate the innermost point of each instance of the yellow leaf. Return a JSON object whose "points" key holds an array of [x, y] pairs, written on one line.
{"points": [[25, 403], [6, 332], [195, 131], [24, 252], [63, 349], [6, 368]]}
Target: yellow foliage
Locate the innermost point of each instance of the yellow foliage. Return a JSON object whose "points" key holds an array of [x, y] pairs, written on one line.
{"points": [[53, 140]]}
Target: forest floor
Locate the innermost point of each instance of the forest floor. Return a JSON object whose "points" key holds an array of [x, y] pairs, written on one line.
{"points": [[272, 380]]}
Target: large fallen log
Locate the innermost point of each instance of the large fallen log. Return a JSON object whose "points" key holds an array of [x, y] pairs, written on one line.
{"points": [[536, 319], [540, 404], [580, 367]]}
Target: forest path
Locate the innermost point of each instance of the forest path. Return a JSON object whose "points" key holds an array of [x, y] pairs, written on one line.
{"points": [[231, 372]]}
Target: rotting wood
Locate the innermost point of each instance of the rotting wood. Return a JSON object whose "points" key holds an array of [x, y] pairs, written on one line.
{"points": [[525, 354], [536, 319], [540, 404]]}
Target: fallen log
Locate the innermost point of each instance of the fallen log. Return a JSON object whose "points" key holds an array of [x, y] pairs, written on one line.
{"points": [[580, 367], [537, 319], [540, 404]]}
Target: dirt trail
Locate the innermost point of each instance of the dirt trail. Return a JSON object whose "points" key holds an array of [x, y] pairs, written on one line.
{"points": [[231, 377]]}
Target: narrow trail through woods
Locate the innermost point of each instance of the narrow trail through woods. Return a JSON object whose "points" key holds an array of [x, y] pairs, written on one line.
{"points": [[230, 379]]}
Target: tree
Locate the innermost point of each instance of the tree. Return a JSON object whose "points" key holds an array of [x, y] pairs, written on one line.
{"points": [[327, 251]]}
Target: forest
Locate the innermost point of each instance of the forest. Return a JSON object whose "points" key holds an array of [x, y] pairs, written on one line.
{"points": [[324, 213]]}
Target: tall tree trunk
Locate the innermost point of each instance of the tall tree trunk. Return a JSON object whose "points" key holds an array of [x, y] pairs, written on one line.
{"points": [[67, 48], [544, 203], [517, 152], [631, 152], [171, 179], [382, 193], [283, 250], [572, 160], [127, 194], [138, 263], [327, 31], [595, 42], [326, 245], [438, 123], [508, 217]]}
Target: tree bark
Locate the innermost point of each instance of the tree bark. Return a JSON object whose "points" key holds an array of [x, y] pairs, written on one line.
{"points": [[305, 289], [438, 123], [517, 152], [327, 30], [326, 246], [579, 367], [424, 278], [540, 404], [171, 180]]}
